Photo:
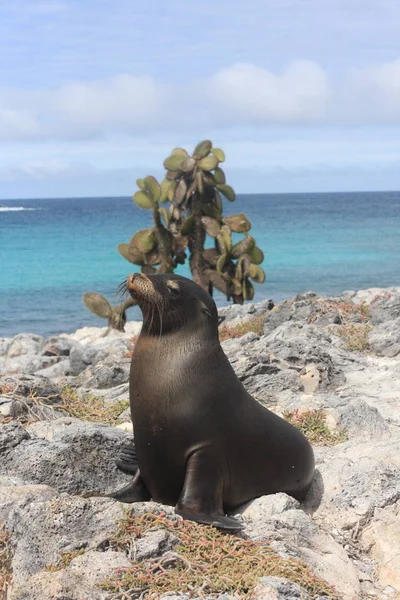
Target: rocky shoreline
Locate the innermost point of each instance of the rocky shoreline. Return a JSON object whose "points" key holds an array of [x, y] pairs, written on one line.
{"points": [[336, 357]]}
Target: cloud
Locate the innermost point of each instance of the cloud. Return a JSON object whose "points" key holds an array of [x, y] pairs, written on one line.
{"points": [[237, 96], [250, 94], [377, 92]]}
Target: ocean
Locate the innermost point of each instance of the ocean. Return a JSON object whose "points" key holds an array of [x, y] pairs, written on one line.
{"points": [[52, 251]]}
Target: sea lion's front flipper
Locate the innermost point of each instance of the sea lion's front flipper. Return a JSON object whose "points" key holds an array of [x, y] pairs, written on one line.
{"points": [[201, 498], [127, 461], [135, 491]]}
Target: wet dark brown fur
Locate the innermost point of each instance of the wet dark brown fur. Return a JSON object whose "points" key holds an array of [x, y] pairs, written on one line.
{"points": [[203, 444]]}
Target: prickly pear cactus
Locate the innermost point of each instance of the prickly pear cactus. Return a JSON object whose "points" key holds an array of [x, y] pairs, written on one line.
{"points": [[100, 306], [187, 210]]}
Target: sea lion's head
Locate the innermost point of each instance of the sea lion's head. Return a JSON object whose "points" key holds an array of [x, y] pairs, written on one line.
{"points": [[171, 303]]}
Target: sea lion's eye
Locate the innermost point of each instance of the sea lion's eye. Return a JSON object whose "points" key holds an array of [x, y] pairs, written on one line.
{"points": [[173, 288]]}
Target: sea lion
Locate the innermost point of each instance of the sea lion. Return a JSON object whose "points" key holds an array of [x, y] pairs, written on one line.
{"points": [[202, 443]]}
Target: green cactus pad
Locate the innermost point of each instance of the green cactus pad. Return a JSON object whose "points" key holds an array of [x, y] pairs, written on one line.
{"points": [[208, 163], [188, 164], [152, 188], [187, 226], [221, 262], [180, 192], [144, 240], [238, 223], [132, 254], [219, 176], [97, 304], [256, 255], [243, 247], [171, 190], [143, 200], [220, 154], [247, 290], [200, 183], [164, 190], [211, 210], [179, 152], [202, 149], [174, 162], [256, 273], [211, 226], [140, 184], [227, 191], [226, 236], [164, 213], [218, 202]]}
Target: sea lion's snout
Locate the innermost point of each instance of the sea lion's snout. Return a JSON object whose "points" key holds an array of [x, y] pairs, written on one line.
{"points": [[131, 279], [140, 286]]}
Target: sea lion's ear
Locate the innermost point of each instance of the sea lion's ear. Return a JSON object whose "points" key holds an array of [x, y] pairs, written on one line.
{"points": [[205, 310]]}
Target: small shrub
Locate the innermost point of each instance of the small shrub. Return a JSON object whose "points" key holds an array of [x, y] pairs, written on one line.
{"points": [[204, 562], [91, 408], [313, 424], [355, 336], [255, 324]]}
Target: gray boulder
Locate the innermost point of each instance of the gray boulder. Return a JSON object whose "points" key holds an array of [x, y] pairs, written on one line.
{"points": [[67, 454]]}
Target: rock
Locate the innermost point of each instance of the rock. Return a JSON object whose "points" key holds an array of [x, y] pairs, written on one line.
{"points": [[5, 343], [81, 357], [58, 346], [385, 306], [154, 543], [308, 347], [293, 533], [31, 385], [354, 479], [41, 530], [359, 420], [25, 343], [81, 580], [384, 339], [67, 454], [57, 371], [11, 435], [279, 588], [241, 313], [381, 539], [108, 375], [13, 494], [265, 507]]}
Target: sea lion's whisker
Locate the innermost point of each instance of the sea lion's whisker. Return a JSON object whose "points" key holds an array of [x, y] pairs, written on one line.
{"points": [[121, 291]]}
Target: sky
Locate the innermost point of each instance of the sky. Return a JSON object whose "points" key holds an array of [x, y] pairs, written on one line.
{"points": [[302, 95]]}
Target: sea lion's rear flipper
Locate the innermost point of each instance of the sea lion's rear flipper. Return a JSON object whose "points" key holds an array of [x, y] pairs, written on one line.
{"points": [[127, 461], [201, 498], [135, 491]]}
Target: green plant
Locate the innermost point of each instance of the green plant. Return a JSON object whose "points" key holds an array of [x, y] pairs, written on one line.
{"points": [[91, 408], [312, 423], [204, 562], [187, 207], [100, 306], [354, 335]]}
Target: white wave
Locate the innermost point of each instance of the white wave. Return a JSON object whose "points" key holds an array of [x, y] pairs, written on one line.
{"points": [[15, 208]]}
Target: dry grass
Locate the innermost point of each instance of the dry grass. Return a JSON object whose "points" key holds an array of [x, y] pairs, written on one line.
{"points": [[204, 562], [255, 324], [65, 560], [312, 423], [355, 336], [5, 561], [90, 408]]}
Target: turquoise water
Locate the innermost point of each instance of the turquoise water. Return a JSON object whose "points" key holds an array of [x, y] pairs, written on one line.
{"points": [[53, 251]]}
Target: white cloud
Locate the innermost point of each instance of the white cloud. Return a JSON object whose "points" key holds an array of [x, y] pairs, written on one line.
{"points": [[250, 94], [377, 91], [237, 96]]}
